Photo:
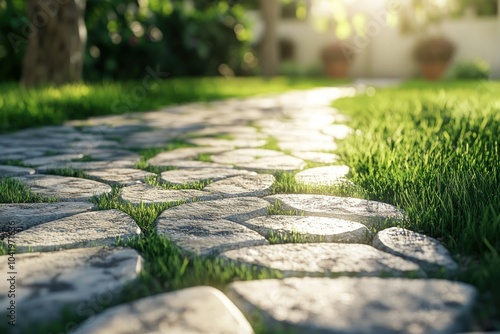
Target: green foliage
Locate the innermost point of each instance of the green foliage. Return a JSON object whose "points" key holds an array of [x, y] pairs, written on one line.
{"points": [[433, 150], [472, 69]]}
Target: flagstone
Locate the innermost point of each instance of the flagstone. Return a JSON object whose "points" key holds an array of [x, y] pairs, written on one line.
{"points": [[195, 310], [122, 176], [148, 194], [22, 216], [81, 281], [314, 259], [88, 229], [186, 153], [310, 229], [356, 305], [244, 155], [237, 209], [328, 175], [208, 236], [183, 176], [64, 188], [355, 209], [272, 164], [243, 185], [429, 253], [326, 158]]}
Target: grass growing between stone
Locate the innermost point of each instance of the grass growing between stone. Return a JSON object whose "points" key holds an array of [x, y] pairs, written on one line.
{"points": [[14, 191], [433, 150]]}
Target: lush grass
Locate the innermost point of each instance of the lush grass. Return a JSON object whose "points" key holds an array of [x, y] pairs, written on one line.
{"points": [[22, 108], [433, 150], [14, 191]]}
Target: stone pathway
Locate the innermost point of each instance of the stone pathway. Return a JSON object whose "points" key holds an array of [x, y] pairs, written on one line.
{"points": [[224, 206]]}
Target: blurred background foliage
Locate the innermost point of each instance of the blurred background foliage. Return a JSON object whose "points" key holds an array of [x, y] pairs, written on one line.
{"points": [[126, 36]]}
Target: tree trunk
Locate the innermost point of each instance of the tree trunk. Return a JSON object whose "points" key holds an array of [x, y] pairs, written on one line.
{"points": [[269, 59], [57, 38]]}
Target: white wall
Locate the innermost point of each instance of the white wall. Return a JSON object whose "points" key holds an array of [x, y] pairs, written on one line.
{"points": [[387, 53]]}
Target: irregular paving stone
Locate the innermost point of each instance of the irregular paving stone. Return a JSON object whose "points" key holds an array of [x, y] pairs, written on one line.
{"points": [[217, 142], [326, 158], [51, 159], [306, 146], [236, 209], [91, 165], [312, 229], [354, 209], [95, 228], [243, 185], [243, 155], [328, 175], [194, 164], [113, 154], [356, 305], [184, 176], [429, 253], [337, 131], [271, 164], [6, 171], [324, 259], [123, 176], [200, 309], [148, 194], [83, 281], [64, 188], [208, 236], [26, 215], [165, 158]]}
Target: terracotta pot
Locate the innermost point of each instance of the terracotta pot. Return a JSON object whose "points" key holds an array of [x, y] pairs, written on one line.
{"points": [[337, 68], [433, 70]]}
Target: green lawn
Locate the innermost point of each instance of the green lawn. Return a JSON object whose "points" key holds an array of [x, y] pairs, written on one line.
{"points": [[433, 149], [21, 108]]}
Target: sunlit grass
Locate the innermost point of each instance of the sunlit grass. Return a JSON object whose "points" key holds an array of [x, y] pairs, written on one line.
{"points": [[14, 191], [433, 150]]}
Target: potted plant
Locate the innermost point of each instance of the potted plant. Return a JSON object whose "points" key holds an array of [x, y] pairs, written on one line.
{"points": [[337, 58], [434, 55]]}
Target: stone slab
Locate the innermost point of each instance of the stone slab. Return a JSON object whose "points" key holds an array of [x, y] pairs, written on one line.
{"points": [[180, 164], [187, 153], [85, 281], [208, 236], [328, 175], [243, 185], [356, 305], [217, 142], [85, 166], [237, 209], [194, 310], [183, 176], [244, 155], [337, 131], [95, 228], [321, 259], [122, 176], [326, 158], [64, 188], [311, 229], [148, 194], [306, 146], [429, 253], [355, 209], [7, 171], [272, 164], [26, 215]]}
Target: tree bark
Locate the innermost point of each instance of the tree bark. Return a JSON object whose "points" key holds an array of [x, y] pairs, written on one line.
{"points": [[56, 46], [269, 59]]}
